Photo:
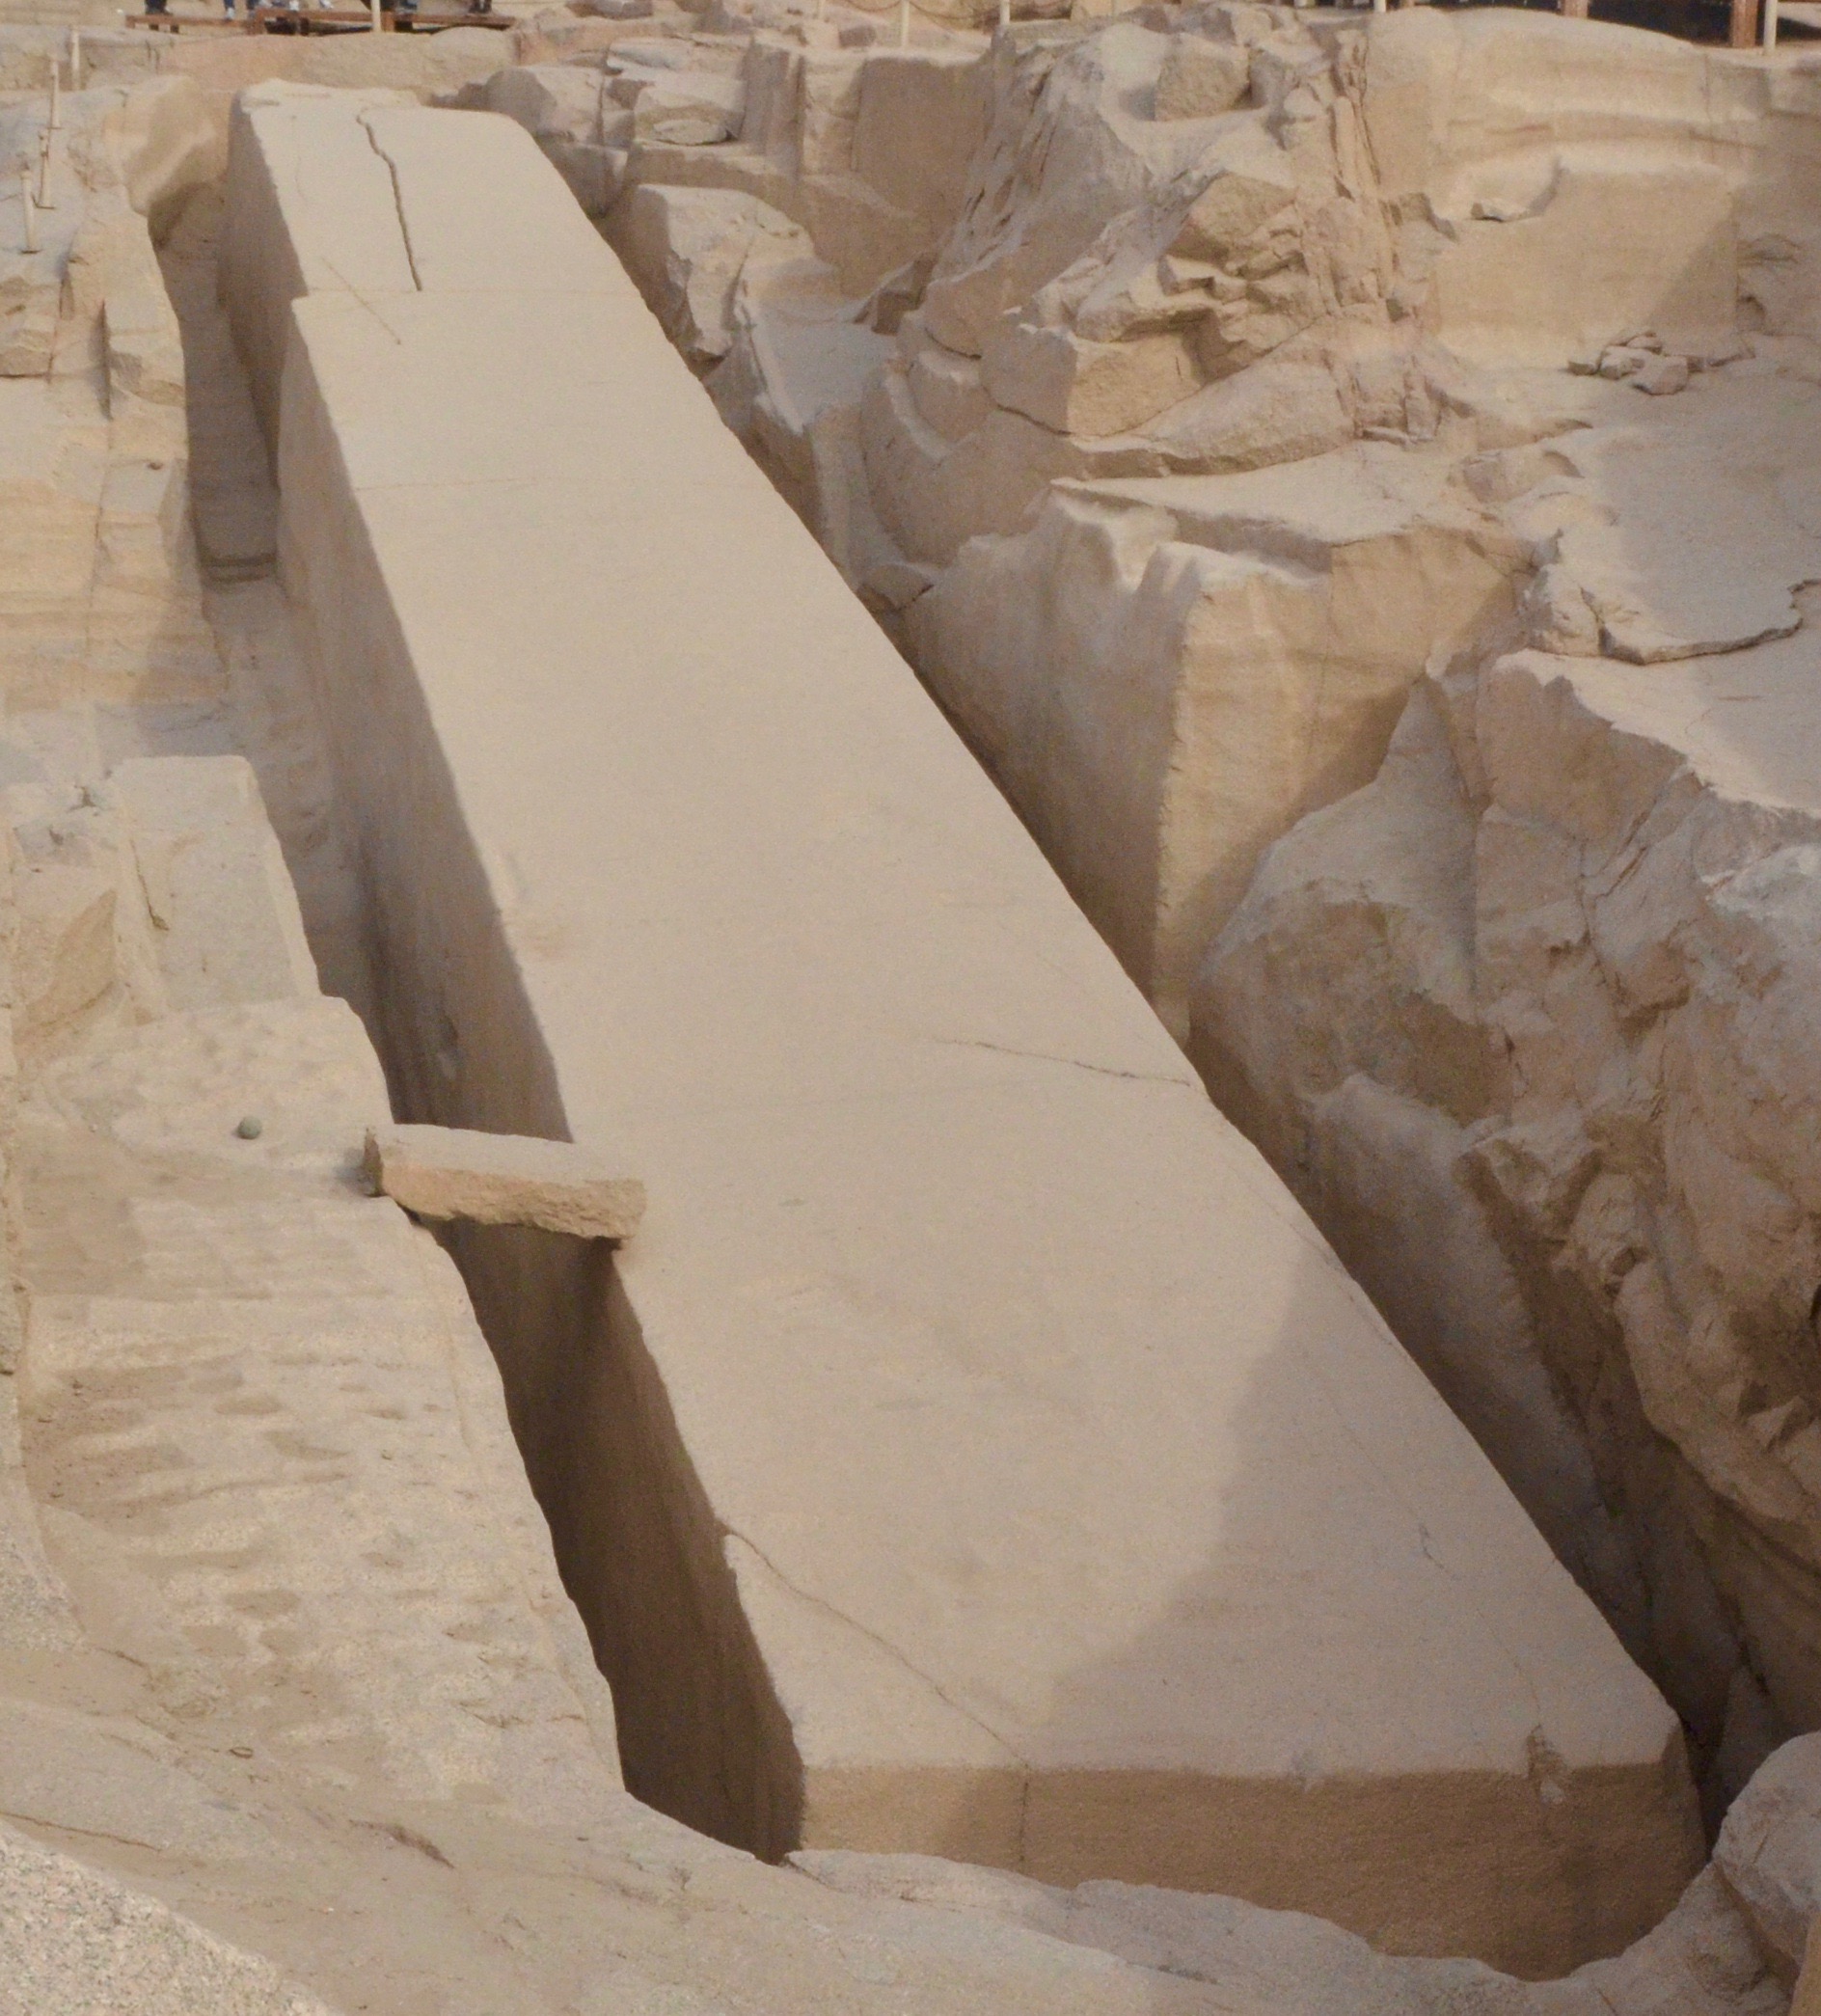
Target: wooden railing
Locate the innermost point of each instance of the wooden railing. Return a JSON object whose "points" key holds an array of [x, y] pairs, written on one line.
{"points": [[321, 20]]}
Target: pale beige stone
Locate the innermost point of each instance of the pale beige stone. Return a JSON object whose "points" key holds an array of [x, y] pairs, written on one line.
{"points": [[1661, 375], [693, 246], [35, 1611], [71, 1939], [945, 387], [934, 494], [550, 101], [1219, 653], [921, 117], [225, 922], [1701, 1961], [1283, 285], [449, 1172], [1200, 79], [1251, 186], [1807, 1996], [222, 1331], [165, 1245], [258, 1266], [1053, 377], [31, 283], [1025, 1745], [792, 387], [665, 82], [1044, 189], [1276, 412], [1635, 839], [65, 892], [1593, 254], [1769, 1852], [1557, 192], [31, 287]]}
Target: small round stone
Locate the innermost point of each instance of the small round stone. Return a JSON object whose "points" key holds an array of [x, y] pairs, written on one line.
{"points": [[250, 1127]]}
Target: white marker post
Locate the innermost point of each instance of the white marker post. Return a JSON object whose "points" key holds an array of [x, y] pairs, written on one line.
{"points": [[27, 210], [1770, 25], [56, 101], [43, 171], [1005, 14], [75, 58], [904, 24]]}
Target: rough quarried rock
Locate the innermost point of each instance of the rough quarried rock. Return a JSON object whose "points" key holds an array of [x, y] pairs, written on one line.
{"points": [[1560, 945], [1160, 664], [1702, 1960], [70, 1938], [283, 1659], [1199, 243], [1769, 1852], [94, 543]]}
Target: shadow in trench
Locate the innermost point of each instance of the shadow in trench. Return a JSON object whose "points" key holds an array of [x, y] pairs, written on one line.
{"points": [[702, 1737]]}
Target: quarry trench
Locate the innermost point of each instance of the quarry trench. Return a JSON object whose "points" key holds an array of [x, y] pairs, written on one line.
{"points": [[539, 1295], [779, 1705], [704, 1732], [235, 516]]}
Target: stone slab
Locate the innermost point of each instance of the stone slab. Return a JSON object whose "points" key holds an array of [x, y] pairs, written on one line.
{"points": [[977, 1452], [451, 1172]]}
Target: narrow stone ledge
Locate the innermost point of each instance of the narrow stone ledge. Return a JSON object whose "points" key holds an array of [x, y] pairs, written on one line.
{"points": [[451, 1172]]}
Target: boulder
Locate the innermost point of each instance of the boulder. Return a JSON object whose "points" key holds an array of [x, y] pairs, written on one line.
{"points": [[661, 98], [1201, 79], [550, 101], [1769, 1852]]}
